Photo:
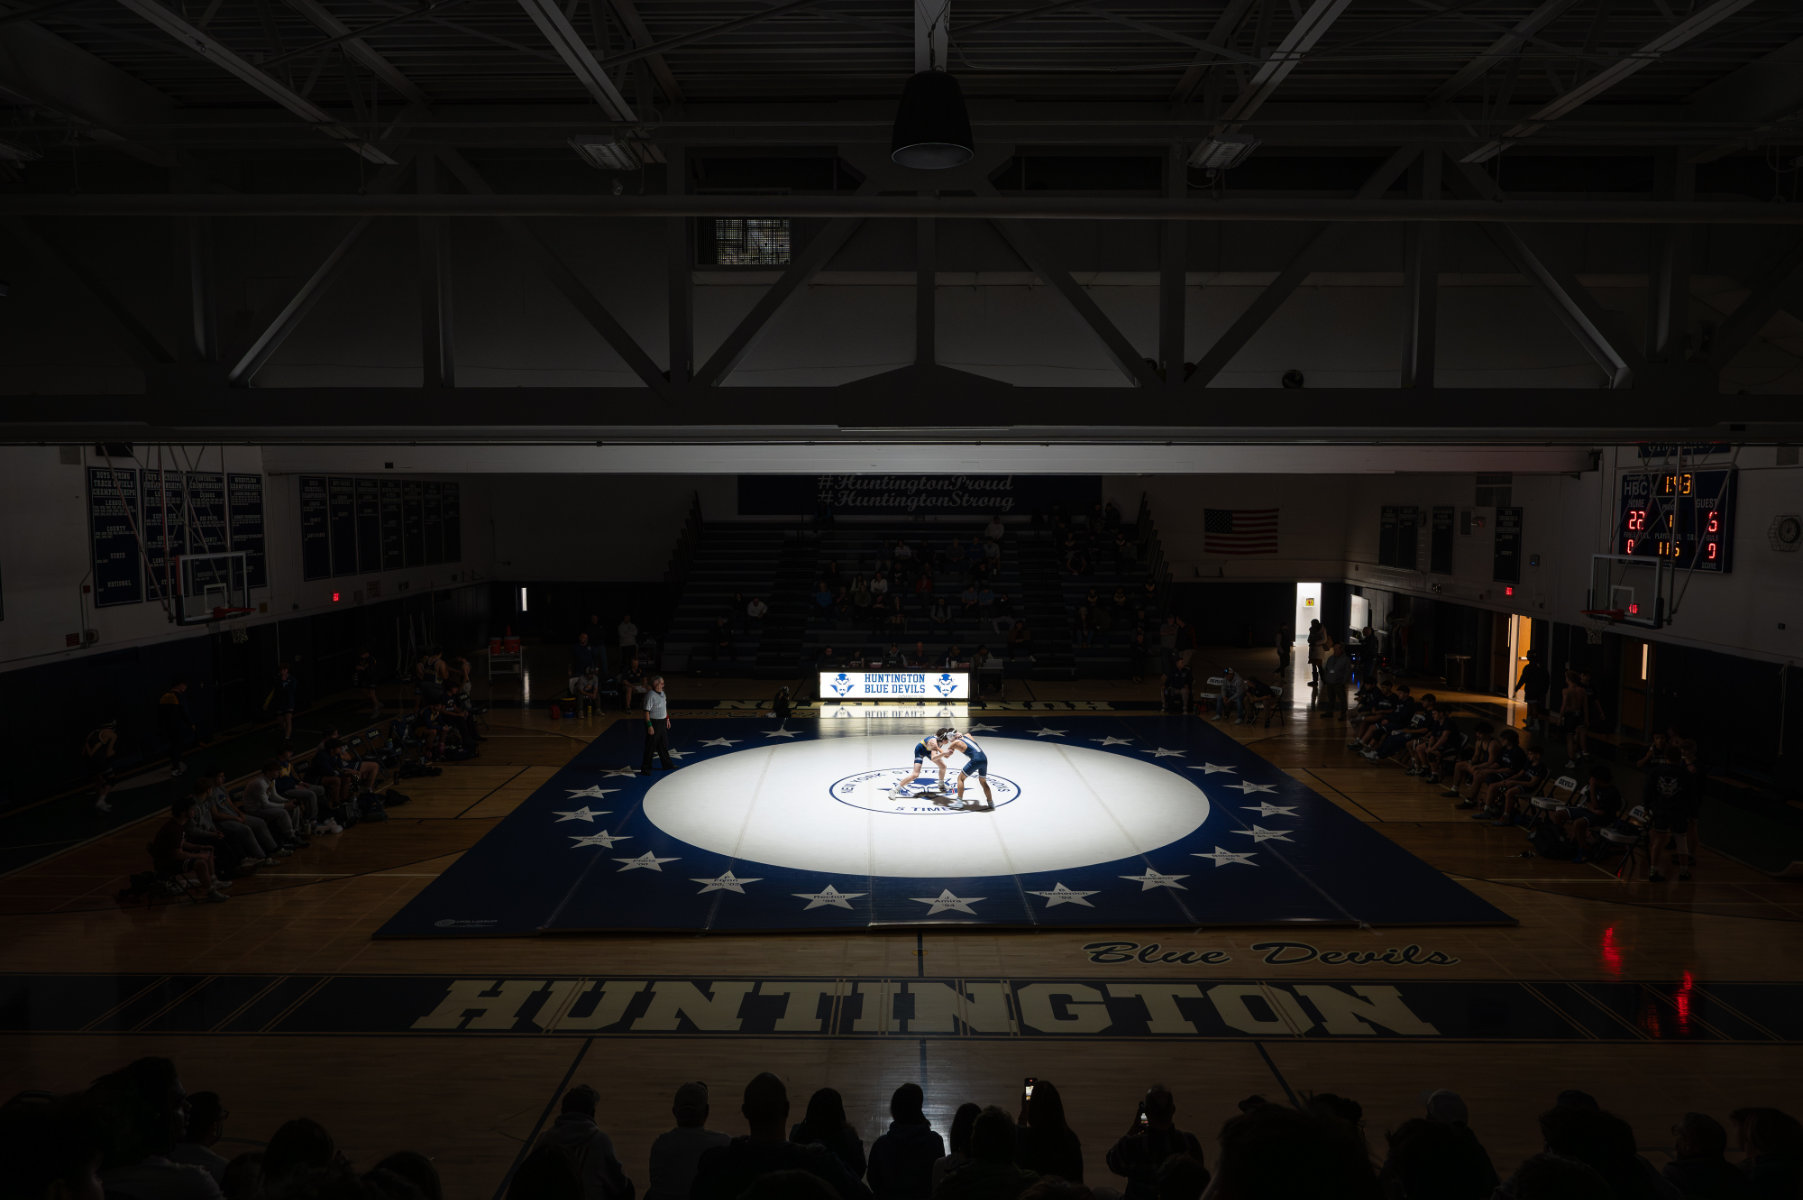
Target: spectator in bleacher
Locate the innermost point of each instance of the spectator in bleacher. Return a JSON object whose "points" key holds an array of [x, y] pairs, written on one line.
{"points": [[896, 619], [676, 1153], [959, 1142], [879, 587], [954, 656], [1122, 607], [755, 608], [968, 600], [206, 1125], [584, 656], [720, 643], [1600, 808], [938, 614], [51, 1148], [918, 656], [296, 1149], [142, 1112], [1432, 1159], [285, 818], [97, 751], [991, 1173], [823, 598], [175, 726], [1139, 655], [1082, 629], [288, 784], [1020, 641], [1771, 1146], [628, 634], [901, 1160], [994, 530], [1699, 1167], [727, 1171], [1142, 1151], [412, 1168], [575, 1132], [1045, 1143], [586, 688], [824, 1124], [923, 586], [230, 819], [1272, 1152], [173, 853]]}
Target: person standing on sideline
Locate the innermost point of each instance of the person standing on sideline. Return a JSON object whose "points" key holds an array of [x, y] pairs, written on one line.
{"points": [[1316, 636], [657, 725], [281, 700], [590, 1151], [97, 750], [175, 725], [676, 1154], [1336, 673], [1533, 684]]}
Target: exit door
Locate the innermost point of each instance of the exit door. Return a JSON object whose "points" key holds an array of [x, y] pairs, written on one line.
{"points": [[1308, 608]]}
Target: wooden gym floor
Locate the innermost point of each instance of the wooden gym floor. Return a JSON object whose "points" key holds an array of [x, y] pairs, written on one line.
{"points": [[473, 1102]]}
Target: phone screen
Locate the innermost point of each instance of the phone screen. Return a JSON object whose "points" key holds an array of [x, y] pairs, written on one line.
{"points": [[1026, 1091], [1143, 1121]]}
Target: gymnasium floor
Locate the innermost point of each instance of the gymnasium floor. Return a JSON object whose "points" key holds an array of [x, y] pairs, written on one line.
{"points": [[284, 1002]]}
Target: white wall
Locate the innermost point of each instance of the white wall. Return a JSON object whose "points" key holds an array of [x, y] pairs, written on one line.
{"points": [[45, 554], [1567, 519]]}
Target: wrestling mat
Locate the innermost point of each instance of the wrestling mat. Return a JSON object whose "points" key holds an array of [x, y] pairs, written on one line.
{"points": [[1099, 820]]}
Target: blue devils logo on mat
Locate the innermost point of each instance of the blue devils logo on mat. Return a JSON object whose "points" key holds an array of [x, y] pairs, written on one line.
{"points": [[842, 684], [945, 685]]}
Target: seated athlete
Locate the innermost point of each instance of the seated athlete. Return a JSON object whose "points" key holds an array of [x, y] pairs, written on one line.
{"points": [[927, 748], [977, 763]]}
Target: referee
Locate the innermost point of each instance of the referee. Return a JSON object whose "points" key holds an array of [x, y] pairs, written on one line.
{"points": [[657, 725]]}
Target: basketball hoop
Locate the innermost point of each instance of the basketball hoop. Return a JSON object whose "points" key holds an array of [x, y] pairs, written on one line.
{"points": [[1611, 616], [232, 622]]}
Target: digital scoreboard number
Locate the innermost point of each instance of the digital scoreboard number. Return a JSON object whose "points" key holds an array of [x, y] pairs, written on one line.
{"points": [[1684, 516]]}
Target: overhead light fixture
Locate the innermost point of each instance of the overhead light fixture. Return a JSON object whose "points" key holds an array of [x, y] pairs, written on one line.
{"points": [[605, 153], [1223, 151], [932, 127]]}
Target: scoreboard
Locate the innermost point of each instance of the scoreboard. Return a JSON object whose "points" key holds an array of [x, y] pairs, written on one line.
{"points": [[1684, 516]]}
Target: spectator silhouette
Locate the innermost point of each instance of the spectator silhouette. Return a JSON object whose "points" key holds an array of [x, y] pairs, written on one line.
{"points": [[548, 1173], [962, 1123], [1046, 1144], [1140, 1153], [1272, 1152], [206, 1125], [416, 1169], [1433, 1160], [575, 1132], [901, 1161], [1772, 1143], [1553, 1177], [727, 1171], [990, 1174], [676, 1154], [1699, 1168], [824, 1124]]}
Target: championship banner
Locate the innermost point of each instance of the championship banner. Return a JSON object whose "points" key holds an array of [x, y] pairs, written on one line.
{"points": [[925, 687], [915, 495]]}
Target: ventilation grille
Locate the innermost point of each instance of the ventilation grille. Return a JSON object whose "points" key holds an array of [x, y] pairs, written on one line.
{"points": [[1493, 490]]}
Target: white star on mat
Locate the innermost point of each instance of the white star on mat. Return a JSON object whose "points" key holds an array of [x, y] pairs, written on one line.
{"points": [[945, 902], [1063, 895], [1211, 769], [593, 791], [1046, 732], [782, 733], [724, 883], [1258, 833], [1266, 809], [1161, 752], [603, 839], [647, 860], [1247, 789], [829, 896], [585, 813], [1113, 741], [626, 771], [722, 741], [1227, 858], [985, 728], [1152, 879]]}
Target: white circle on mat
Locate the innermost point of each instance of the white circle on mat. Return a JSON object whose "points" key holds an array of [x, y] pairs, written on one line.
{"points": [[1077, 807]]}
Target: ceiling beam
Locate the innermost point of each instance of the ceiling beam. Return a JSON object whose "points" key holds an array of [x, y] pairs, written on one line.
{"points": [[1765, 91], [1628, 65], [549, 16], [358, 49], [1288, 54], [1026, 207], [1500, 49], [636, 29], [44, 70]]}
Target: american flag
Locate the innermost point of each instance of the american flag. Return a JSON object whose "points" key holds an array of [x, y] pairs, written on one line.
{"points": [[1239, 531]]}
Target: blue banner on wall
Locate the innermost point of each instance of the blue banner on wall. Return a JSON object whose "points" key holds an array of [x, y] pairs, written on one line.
{"points": [[114, 517], [915, 495]]}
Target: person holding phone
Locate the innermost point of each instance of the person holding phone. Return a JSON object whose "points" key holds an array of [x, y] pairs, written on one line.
{"points": [[1143, 1149], [1046, 1143]]}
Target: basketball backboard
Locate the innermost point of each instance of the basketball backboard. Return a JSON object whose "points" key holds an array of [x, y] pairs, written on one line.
{"points": [[210, 585], [1639, 587]]}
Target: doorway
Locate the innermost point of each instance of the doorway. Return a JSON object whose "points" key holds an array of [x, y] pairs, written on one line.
{"points": [[1308, 608], [1521, 640]]}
